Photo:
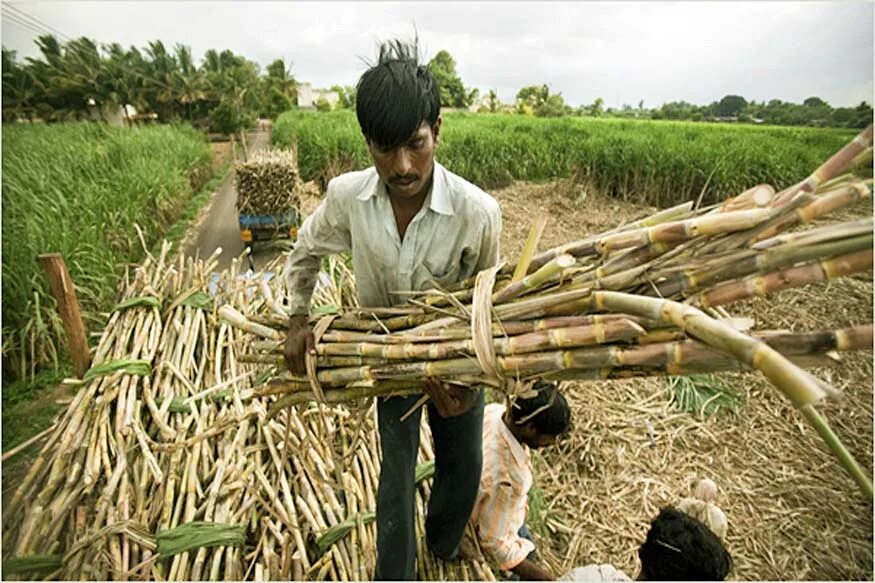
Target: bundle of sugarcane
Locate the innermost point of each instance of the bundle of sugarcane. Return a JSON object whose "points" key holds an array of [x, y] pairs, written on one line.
{"points": [[587, 309], [268, 182], [167, 467]]}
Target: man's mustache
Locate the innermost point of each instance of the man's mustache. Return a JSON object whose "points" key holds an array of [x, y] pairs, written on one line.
{"points": [[406, 178]]}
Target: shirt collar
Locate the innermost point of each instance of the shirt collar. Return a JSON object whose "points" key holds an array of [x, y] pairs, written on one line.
{"points": [[438, 197]]}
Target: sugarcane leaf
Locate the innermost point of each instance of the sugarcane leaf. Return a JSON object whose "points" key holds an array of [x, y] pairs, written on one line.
{"points": [[704, 395], [31, 564], [424, 471], [198, 300], [197, 534], [142, 301], [328, 309], [141, 368], [319, 546], [262, 377]]}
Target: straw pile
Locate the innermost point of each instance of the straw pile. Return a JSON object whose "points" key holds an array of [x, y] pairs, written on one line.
{"points": [[268, 183]]}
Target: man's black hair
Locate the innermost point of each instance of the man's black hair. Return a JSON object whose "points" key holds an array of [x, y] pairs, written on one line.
{"points": [[548, 411], [396, 95], [681, 548]]}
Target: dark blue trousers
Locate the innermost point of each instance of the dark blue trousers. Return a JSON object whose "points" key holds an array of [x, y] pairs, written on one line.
{"points": [[458, 450]]}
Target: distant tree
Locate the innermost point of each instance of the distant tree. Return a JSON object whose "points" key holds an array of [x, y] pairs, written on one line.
{"points": [[19, 89], [815, 102], [323, 104], [641, 105], [597, 108], [537, 100], [493, 102], [554, 106], [531, 97], [346, 94], [453, 92], [473, 94], [864, 115], [731, 105], [279, 89]]}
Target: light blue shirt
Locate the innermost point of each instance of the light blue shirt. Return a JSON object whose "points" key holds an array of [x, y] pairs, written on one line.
{"points": [[453, 236]]}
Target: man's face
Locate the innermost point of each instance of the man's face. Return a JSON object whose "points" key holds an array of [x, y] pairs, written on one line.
{"points": [[535, 440], [406, 169]]}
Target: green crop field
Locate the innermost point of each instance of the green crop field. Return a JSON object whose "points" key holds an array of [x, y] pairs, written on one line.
{"points": [[79, 189], [652, 162]]}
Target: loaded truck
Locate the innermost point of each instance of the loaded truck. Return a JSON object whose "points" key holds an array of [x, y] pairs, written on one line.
{"points": [[267, 227], [268, 205]]}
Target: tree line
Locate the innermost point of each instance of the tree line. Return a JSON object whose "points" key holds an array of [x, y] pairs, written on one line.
{"points": [[226, 92], [79, 79]]}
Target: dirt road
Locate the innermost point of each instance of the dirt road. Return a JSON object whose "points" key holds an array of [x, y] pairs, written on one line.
{"points": [[218, 227]]}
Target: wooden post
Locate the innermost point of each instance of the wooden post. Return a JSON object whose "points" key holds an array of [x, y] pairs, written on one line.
{"points": [[68, 307]]}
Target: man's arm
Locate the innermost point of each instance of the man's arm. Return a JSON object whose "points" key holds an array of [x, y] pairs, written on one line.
{"points": [[502, 511], [324, 232]]}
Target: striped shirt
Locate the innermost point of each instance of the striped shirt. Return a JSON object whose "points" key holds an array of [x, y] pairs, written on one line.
{"points": [[500, 510]]}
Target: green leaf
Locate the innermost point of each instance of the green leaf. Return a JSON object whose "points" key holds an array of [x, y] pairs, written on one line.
{"points": [[142, 301], [198, 534], [198, 300], [141, 368]]}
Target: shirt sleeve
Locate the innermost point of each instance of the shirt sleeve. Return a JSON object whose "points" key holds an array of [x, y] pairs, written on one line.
{"points": [[489, 245], [324, 232], [502, 513]]}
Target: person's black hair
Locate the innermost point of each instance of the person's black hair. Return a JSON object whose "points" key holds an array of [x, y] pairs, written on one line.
{"points": [[396, 95], [547, 411], [680, 548]]}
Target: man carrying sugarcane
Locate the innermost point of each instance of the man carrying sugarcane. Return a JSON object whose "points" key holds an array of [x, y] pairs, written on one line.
{"points": [[498, 522], [409, 224]]}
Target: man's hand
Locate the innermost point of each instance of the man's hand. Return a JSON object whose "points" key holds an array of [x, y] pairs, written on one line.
{"points": [[299, 342], [529, 570], [450, 400]]}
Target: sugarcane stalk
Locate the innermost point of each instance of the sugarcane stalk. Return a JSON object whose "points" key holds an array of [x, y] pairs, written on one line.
{"points": [[774, 281]]}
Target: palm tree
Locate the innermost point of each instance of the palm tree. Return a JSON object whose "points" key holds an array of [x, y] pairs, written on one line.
{"points": [[187, 80]]}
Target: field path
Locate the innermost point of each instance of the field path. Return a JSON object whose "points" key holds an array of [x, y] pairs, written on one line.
{"points": [[218, 227]]}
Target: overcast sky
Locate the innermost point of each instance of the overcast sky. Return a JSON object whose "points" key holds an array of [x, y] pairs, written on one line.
{"points": [[623, 52]]}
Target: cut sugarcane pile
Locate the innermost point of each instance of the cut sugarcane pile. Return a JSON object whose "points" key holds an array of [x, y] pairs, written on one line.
{"points": [[643, 299], [268, 183], [167, 466]]}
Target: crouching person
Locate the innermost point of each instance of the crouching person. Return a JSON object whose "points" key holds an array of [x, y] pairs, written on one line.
{"points": [[498, 519], [678, 547]]}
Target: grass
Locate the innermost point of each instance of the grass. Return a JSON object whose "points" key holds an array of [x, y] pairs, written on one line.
{"points": [[25, 410], [79, 189], [659, 163], [705, 395], [536, 514]]}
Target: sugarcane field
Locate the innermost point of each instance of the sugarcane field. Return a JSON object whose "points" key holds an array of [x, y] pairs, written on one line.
{"points": [[311, 308]]}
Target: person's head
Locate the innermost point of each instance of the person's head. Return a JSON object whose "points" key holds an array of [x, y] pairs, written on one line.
{"points": [[398, 106], [680, 548], [540, 420]]}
